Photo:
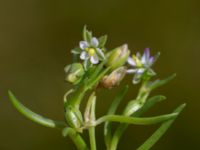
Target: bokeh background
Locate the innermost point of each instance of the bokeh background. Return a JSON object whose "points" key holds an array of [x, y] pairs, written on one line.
{"points": [[35, 41]]}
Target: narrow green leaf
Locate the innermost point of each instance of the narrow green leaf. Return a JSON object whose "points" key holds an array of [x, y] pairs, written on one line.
{"points": [[160, 131], [102, 41], [159, 83], [33, 116], [117, 100], [136, 120], [111, 111]]}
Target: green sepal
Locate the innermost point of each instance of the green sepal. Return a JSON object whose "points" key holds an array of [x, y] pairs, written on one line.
{"points": [[118, 57], [87, 64], [76, 50], [102, 41], [87, 35], [33, 116]]}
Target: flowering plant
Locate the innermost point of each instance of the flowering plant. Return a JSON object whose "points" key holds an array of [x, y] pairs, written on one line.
{"points": [[96, 67]]}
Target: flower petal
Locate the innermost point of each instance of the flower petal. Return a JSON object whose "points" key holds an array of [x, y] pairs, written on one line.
{"points": [[145, 56], [129, 71], [94, 42], [140, 71], [84, 55], [151, 60], [147, 52], [131, 61], [83, 45], [94, 59]]}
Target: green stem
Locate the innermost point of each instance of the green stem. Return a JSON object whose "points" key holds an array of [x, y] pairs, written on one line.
{"points": [[78, 140], [77, 96], [89, 117], [92, 138], [92, 118]]}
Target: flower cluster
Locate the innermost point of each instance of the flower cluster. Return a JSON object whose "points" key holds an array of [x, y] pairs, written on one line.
{"points": [[92, 51]]}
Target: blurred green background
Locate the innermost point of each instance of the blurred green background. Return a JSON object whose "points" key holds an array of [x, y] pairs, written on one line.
{"points": [[35, 41]]}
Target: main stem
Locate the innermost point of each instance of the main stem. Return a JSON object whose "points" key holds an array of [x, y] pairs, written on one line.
{"points": [[92, 138], [78, 140]]}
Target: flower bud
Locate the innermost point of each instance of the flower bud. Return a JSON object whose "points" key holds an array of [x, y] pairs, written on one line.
{"points": [[75, 72], [118, 57], [114, 78], [73, 117]]}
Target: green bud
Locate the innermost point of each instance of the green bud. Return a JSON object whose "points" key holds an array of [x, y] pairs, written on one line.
{"points": [[118, 57], [74, 72], [114, 78], [132, 107], [73, 117]]}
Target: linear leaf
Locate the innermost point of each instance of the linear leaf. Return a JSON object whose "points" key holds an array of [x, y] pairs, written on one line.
{"points": [[33, 116], [135, 120], [159, 83], [160, 131], [112, 110]]}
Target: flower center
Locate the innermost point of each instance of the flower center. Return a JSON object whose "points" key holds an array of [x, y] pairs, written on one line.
{"points": [[137, 60], [91, 51]]}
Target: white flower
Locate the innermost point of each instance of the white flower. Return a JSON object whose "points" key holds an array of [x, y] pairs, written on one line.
{"points": [[91, 51], [140, 64]]}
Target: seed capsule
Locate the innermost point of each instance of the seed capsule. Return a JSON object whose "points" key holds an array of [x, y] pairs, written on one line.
{"points": [[114, 78]]}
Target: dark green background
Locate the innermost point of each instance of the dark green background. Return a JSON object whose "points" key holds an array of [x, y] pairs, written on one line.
{"points": [[35, 41]]}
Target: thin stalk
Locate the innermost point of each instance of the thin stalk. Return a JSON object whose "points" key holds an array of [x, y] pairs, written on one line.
{"points": [[92, 138], [77, 96], [91, 108]]}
